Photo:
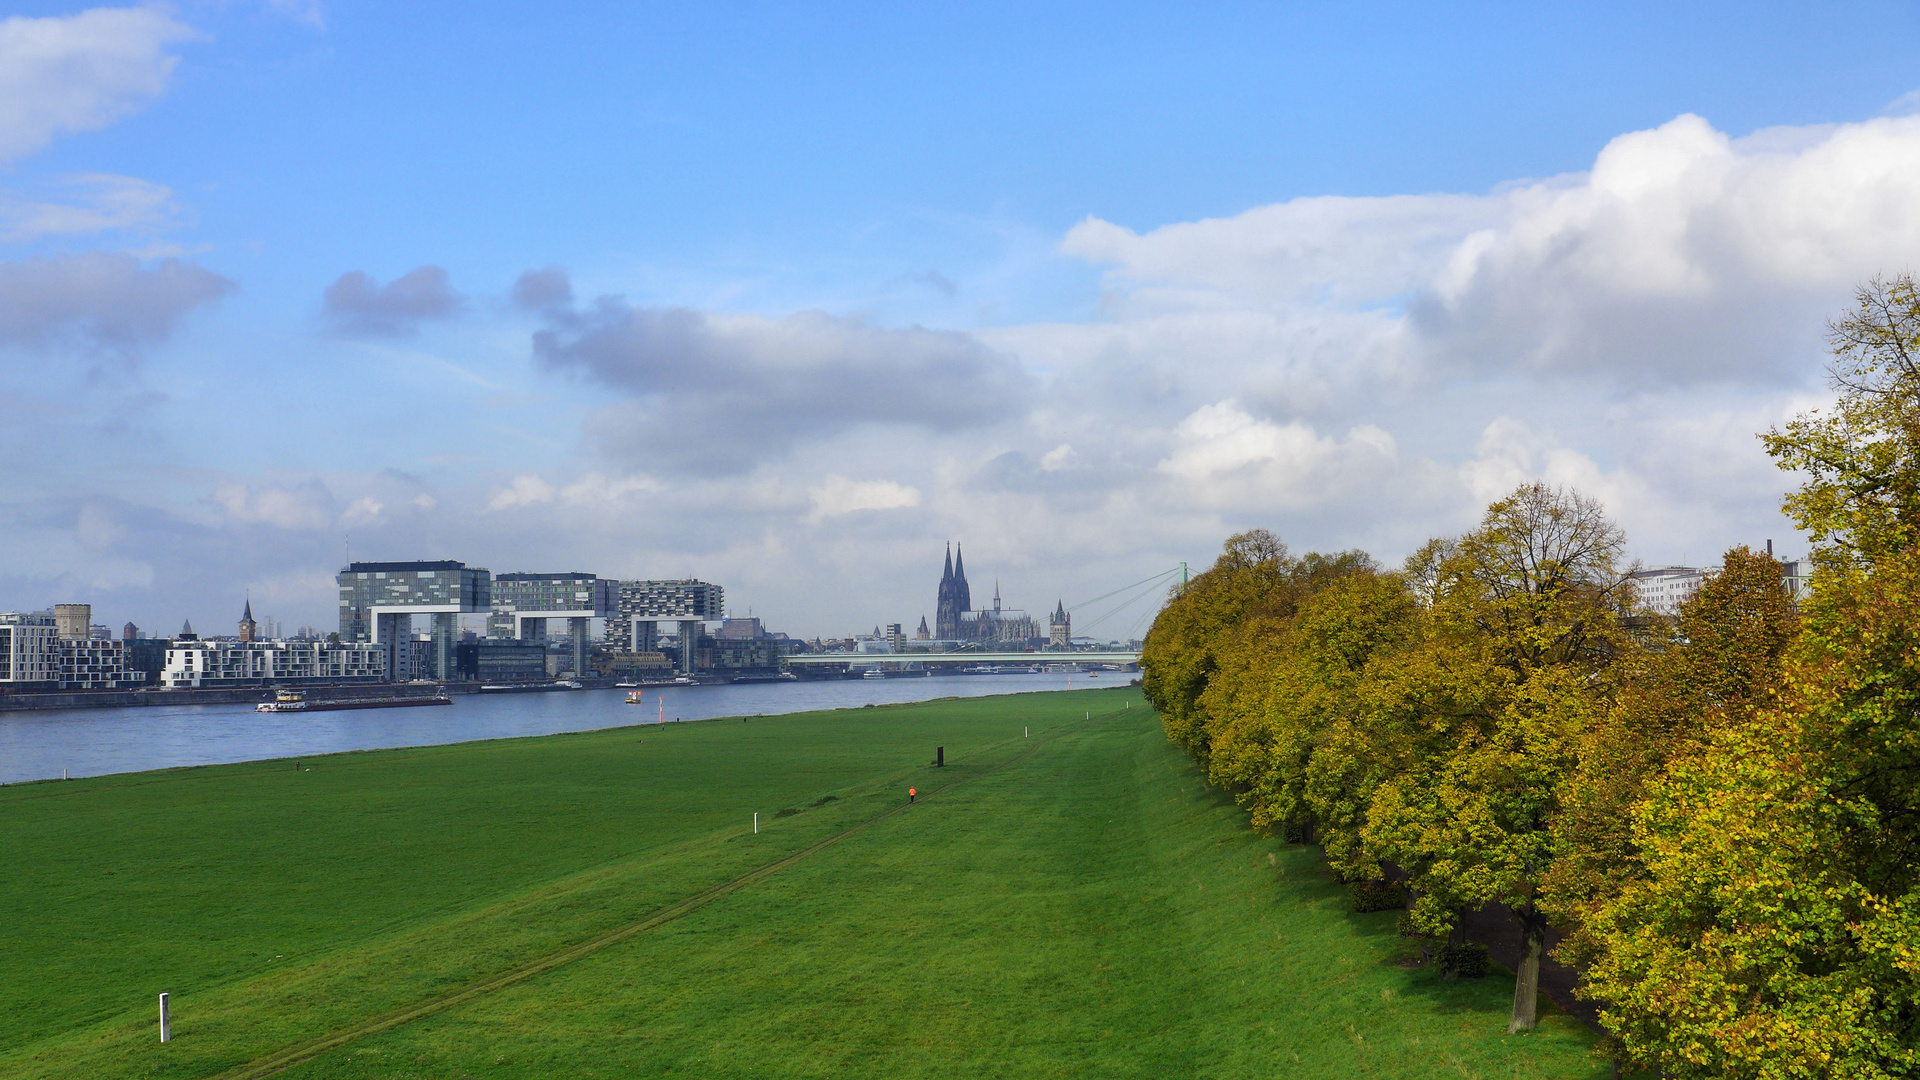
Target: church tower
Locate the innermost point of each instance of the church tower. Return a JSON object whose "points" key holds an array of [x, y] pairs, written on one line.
{"points": [[1060, 628], [961, 596], [248, 628], [946, 613]]}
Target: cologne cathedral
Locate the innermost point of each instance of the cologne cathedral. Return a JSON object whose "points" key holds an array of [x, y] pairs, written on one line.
{"points": [[955, 620]]}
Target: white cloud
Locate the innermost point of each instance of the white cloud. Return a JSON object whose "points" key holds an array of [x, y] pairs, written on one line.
{"points": [[1223, 455], [95, 203], [80, 72], [838, 495], [524, 491], [1682, 254], [305, 506]]}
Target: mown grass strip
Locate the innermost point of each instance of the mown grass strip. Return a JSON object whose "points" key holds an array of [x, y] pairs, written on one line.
{"points": [[294, 1055]]}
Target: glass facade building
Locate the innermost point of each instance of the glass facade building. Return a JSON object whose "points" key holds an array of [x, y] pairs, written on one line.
{"points": [[379, 599]]}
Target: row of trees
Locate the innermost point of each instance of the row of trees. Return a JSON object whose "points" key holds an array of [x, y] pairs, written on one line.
{"points": [[1721, 811]]}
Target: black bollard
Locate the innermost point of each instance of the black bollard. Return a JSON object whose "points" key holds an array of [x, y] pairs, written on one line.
{"points": [[940, 756]]}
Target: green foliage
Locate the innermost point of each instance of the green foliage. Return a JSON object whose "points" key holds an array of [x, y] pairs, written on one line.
{"points": [[1464, 960], [1768, 925], [1366, 896]]}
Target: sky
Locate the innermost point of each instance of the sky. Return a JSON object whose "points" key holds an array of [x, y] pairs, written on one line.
{"points": [[788, 297]]}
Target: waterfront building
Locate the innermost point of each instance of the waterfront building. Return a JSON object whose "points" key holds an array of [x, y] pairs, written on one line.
{"points": [[93, 664], [378, 601], [29, 651], [641, 606], [896, 637], [491, 660], [1060, 627], [273, 663], [73, 621], [522, 604], [145, 659]]}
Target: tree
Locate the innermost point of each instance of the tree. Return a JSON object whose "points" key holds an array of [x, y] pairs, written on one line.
{"points": [[1776, 930], [1179, 656], [1309, 673], [1710, 668], [1490, 707]]}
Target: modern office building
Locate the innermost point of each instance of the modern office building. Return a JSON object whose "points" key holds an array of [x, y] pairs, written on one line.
{"points": [[522, 604], [501, 661], [29, 651], [378, 601], [273, 663], [641, 606]]}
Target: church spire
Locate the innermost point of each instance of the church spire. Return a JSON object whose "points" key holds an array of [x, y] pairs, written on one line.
{"points": [[947, 574]]}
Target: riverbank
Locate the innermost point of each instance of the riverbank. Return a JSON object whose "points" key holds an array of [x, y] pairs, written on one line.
{"points": [[1066, 898], [48, 744], [252, 695]]}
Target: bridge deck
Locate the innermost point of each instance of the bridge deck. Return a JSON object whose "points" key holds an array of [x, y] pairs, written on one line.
{"points": [[966, 658]]}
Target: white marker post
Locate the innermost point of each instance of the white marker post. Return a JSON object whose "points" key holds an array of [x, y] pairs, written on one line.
{"points": [[166, 1026], [1023, 733], [756, 823]]}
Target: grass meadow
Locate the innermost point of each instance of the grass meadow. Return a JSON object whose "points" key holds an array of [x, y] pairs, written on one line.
{"points": [[1073, 903]]}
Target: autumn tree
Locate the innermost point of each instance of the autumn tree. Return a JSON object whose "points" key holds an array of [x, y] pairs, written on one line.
{"points": [[1490, 706], [1776, 930], [1310, 672], [1707, 669]]}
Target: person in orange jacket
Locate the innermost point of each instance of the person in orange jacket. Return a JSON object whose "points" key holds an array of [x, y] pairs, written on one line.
{"points": [[910, 794]]}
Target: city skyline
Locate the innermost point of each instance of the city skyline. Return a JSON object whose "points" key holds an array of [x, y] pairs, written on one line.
{"points": [[786, 299]]}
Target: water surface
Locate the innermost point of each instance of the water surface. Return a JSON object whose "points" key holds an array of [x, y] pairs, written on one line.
{"points": [[94, 742]]}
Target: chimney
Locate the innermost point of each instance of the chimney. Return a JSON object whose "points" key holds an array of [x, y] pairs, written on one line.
{"points": [[1769, 549]]}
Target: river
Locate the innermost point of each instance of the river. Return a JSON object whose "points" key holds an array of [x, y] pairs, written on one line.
{"points": [[96, 742]]}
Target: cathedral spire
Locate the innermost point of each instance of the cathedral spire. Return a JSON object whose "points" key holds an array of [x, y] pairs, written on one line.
{"points": [[947, 574]]}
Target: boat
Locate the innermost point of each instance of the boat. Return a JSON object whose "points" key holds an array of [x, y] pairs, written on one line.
{"points": [[569, 684], [627, 685], [634, 697], [296, 701], [873, 673]]}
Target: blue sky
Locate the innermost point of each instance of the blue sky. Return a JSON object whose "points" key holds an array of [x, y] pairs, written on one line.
{"points": [[1062, 281]]}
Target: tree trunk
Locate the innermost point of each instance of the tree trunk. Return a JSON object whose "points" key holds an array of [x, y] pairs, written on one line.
{"points": [[1526, 984]]}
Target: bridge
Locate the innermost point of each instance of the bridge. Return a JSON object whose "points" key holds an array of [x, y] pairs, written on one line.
{"points": [[1018, 659]]}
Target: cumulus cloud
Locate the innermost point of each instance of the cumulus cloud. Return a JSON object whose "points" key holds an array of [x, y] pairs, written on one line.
{"points": [[716, 393], [1223, 454], [100, 301], [307, 505], [1683, 254], [356, 306], [80, 72], [837, 495]]}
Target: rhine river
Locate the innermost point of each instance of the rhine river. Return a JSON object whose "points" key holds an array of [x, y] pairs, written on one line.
{"points": [[95, 742]]}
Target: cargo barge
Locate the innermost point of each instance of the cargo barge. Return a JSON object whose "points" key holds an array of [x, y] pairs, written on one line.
{"points": [[296, 701]]}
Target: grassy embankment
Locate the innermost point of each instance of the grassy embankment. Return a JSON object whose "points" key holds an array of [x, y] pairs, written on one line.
{"points": [[1072, 904]]}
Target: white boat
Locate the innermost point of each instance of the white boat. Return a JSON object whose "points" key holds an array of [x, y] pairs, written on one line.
{"points": [[569, 684], [873, 673], [285, 701]]}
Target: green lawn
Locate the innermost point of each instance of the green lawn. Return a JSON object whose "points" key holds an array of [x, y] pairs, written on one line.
{"points": [[1076, 903]]}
